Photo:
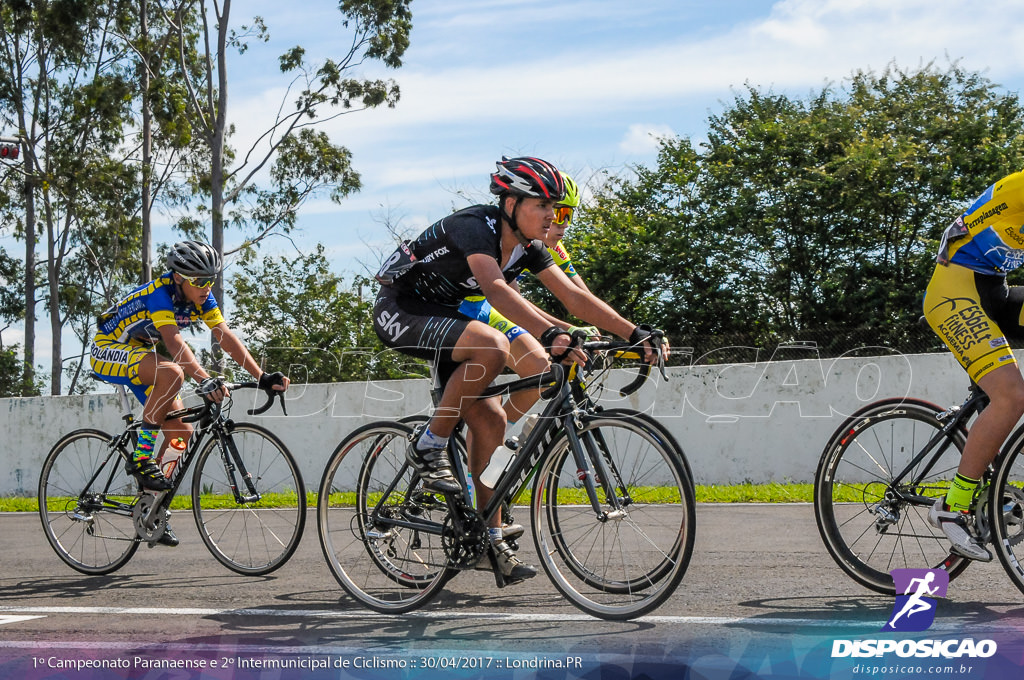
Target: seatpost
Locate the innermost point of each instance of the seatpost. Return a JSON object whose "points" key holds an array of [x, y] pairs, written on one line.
{"points": [[126, 405]]}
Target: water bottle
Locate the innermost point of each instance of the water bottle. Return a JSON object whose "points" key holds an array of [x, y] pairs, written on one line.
{"points": [[500, 459], [169, 460]]}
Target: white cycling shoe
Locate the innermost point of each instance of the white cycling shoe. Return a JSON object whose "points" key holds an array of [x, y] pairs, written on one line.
{"points": [[954, 526]]}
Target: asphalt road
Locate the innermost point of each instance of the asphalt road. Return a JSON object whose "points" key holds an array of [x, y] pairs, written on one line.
{"points": [[759, 578]]}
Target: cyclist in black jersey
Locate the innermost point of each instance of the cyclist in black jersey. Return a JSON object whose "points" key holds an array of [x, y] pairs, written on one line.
{"points": [[480, 251]]}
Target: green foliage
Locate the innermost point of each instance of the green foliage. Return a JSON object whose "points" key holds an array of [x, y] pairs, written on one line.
{"points": [[298, 316], [800, 216]]}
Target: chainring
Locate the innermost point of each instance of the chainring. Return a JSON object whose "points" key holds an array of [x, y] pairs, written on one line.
{"points": [[1013, 514], [464, 547], [139, 512]]}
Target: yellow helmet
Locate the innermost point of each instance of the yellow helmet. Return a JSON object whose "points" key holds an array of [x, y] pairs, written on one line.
{"points": [[572, 192]]}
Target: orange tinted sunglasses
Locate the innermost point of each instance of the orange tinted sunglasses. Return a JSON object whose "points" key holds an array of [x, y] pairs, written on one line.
{"points": [[563, 214]]}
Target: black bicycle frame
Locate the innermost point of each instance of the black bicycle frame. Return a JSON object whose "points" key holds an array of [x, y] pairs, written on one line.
{"points": [[972, 405]]}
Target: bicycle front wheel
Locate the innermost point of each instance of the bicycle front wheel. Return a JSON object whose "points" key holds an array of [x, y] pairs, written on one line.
{"points": [[870, 523], [249, 533], [381, 534], [631, 559], [85, 503], [1004, 511]]}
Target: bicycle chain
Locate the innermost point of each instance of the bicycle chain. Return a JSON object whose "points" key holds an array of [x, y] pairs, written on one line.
{"points": [[465, 545]]}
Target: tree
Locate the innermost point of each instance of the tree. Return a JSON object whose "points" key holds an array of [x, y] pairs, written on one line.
{"points": [[63, 87], [803, 216], [297, 315], [301, 160]]}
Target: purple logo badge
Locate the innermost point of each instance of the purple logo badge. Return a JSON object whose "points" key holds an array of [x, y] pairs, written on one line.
{"points": [[915, 604]]}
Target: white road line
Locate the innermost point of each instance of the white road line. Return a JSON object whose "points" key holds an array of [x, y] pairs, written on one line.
{"points": [[14, 619], [785, 623]]}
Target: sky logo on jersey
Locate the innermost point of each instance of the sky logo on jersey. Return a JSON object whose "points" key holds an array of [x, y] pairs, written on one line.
{"points": [[914, 609]]}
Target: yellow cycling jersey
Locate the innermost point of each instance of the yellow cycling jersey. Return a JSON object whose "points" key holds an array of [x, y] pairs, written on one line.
{"points": [[561, 257], [989, 237]]}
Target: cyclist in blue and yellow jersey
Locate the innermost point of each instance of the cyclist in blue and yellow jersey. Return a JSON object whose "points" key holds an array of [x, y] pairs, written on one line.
{"points": [[527, 357], [124, 351], [970, 306], [481, 250]]}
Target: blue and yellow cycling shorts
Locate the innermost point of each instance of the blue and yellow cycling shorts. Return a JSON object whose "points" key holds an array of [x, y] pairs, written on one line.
{"points": [[477, 307], [973, 313], [118, 363]]}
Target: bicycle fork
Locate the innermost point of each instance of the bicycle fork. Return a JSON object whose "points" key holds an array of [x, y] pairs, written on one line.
{"points": [[233, 468]]}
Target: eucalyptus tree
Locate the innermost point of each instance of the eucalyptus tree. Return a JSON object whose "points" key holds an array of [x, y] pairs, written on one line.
{"points": [[259, 189], [64, 88]]}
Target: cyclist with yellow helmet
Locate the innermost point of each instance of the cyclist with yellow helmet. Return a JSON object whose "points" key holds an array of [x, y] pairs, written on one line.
{"points": [[527, 356]]}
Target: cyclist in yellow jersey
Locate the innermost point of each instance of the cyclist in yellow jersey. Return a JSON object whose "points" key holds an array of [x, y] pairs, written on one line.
{"points": [[970, 306], [124, 352]]}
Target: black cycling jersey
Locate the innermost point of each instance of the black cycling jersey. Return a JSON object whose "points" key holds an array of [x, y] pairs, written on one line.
{"points": [[442, 274]]}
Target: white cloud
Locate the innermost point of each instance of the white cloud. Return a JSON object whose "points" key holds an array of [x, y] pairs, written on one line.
{"points": [[642, 139]]}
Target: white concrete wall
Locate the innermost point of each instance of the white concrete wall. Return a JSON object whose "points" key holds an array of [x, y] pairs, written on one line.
{"points": [[744, 422]]}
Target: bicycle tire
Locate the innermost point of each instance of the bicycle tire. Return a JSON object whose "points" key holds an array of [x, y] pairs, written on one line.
{"points": [[252, 538], [1006, 518], [658, 571], [386, 568], [628, 565], [106, 541], [853, 474], [653, 423]]}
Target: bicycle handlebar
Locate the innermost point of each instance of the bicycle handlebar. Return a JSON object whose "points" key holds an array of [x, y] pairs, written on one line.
{"points": [[210, 409], [656, 338]]}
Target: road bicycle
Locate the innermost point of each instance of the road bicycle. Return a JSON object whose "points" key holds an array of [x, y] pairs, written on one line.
{"points": [[612, 507], [247, 495], [883, 469]]}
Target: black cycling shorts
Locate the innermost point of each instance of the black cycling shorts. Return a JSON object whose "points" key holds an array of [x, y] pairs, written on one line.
{"points": [[421, 329]]}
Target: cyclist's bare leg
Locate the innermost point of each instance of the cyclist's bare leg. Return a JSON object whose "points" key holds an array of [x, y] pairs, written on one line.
{"points": [[481, 352], [486, 422], [1005, 389], [527, 358], [166, 377]]}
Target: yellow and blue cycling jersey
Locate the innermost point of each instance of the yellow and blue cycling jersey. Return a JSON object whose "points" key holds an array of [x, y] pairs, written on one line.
{"points": [[477, 307], [129, 329], [989, 237], [968, 302]]}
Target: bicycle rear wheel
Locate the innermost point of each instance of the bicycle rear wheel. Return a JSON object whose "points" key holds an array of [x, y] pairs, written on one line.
{"points": [[379, 531], [633, 560], [256, 536], [854, 481], [85, 503]]}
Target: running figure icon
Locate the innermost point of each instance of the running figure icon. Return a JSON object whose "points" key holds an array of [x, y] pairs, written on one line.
{"points": [[919, 587]]}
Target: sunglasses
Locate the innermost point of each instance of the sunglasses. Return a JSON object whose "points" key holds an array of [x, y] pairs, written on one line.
{"points": [[563, 214], [199, 281]]}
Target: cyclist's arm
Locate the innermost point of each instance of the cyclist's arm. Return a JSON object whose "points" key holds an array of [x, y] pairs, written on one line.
{"points": [[552, 320], [583, 304], [181, 353], [512, 305], [236, 349]]}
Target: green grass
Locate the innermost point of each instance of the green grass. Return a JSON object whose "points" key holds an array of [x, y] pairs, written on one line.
{"points": [[715, 493]]}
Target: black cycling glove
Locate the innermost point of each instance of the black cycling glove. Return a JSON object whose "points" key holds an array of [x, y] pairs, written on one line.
{"points": [[209, 386], [268, 380]]}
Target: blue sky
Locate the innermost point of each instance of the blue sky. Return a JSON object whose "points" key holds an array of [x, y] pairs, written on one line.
{"points": [[586, 84]]}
